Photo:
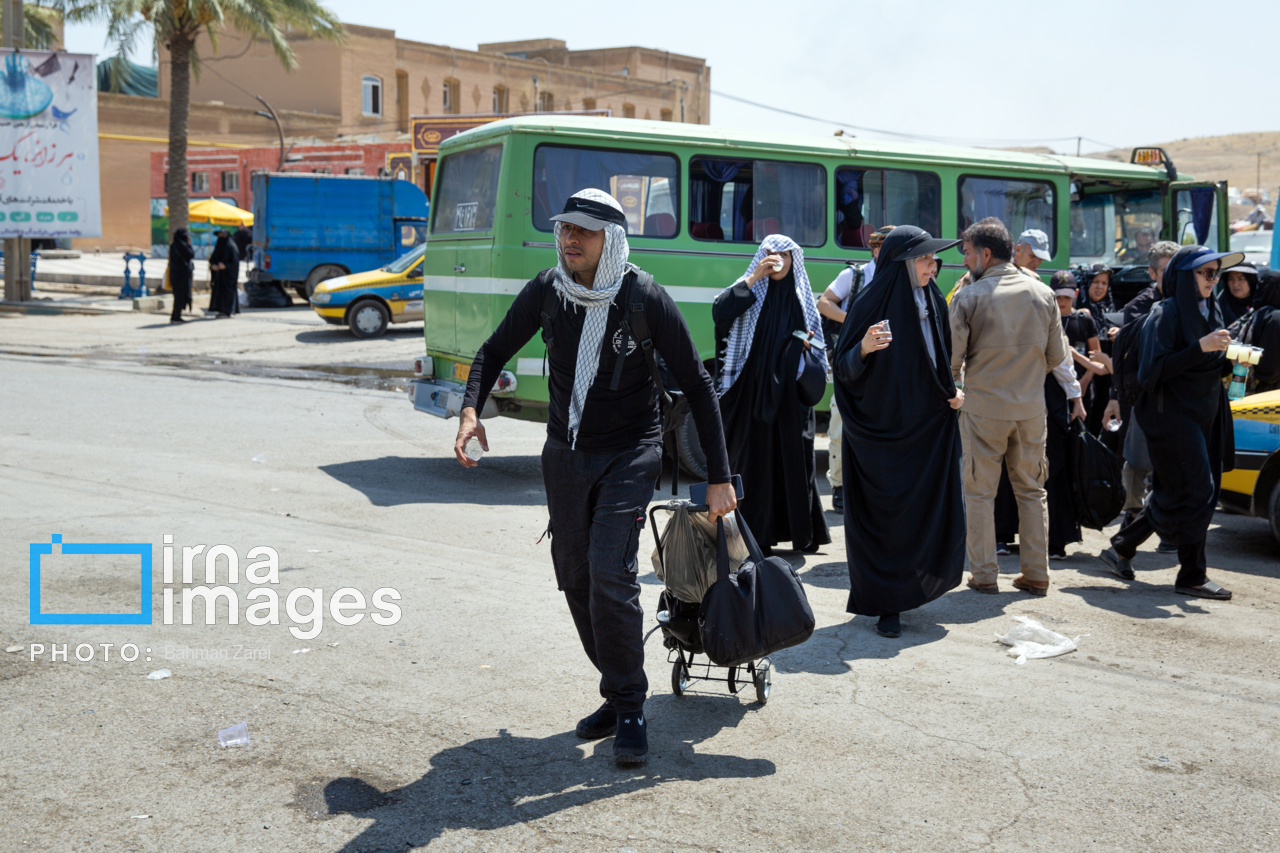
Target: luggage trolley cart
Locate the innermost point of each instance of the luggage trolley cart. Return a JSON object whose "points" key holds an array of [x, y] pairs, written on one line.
{"points": [[681, 633]]}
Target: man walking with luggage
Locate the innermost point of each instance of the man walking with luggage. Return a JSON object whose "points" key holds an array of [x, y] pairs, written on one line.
{"points": [[1006, 337], [603, 453]]}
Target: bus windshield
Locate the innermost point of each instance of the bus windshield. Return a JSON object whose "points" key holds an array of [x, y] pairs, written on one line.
{"points": [[1116, 227]]}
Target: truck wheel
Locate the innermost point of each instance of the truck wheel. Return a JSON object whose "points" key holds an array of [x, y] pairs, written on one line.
{"points": [[368, 318], [692, 459], [322, 273]]}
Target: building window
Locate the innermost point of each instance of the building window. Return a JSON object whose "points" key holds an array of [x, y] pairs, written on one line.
{"points": [[451, 96], [230, 182], [355, 170], [628, 110], [323, 170], [588, 103], [199, 182], [666, 115], [742, 201], [371, 96], [499, 99], [546, 102], [867, 199]]}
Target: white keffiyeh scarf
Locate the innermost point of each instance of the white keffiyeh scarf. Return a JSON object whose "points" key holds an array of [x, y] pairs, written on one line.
{"points": [[595, 301], [743, 330]]}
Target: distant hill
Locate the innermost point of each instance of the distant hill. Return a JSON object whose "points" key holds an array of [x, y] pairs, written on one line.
{"points": [[1232, 158]]}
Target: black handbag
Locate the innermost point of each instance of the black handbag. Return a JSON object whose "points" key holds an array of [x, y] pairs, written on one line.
{"points": [[754, 612], [1097, 488]]}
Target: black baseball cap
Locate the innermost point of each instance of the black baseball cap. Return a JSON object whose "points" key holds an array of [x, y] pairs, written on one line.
{"points": [[591, 209]]}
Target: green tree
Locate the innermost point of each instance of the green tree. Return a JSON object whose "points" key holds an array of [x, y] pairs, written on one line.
{"points": [[177, 24], [38, 23]]}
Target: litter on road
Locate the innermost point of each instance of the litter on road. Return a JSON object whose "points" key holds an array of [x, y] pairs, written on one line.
{"points": [[1030, 639]]}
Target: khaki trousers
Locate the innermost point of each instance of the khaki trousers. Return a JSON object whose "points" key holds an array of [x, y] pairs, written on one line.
{"points": [[834, 472], [1021, 446]]}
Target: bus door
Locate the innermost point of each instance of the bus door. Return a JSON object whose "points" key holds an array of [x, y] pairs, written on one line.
{"points": [[1198, 214], [458, 293]]}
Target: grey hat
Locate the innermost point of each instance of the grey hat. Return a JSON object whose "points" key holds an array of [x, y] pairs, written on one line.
{"points": [[1038, 241]]}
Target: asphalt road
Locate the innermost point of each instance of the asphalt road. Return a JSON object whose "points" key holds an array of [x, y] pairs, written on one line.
{"points": [[452, 729]]}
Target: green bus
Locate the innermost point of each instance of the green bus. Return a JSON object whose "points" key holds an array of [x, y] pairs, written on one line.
{"points": [[699, 199]]}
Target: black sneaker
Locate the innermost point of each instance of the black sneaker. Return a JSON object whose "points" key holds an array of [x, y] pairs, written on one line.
{"points": [[837, 498], [1166, 548], [1057, 555], [631, 746], [602, 723], [1002, 549], [1120, 567], [890, 625]]}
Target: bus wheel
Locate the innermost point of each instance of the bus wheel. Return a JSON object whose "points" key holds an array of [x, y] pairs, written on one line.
{"points": [[368, 318], [1274, 514], [324, 272], [692, 460]]}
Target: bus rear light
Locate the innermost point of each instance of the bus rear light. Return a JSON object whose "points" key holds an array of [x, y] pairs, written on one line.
{"points": [[424, 366], [266, 261]]}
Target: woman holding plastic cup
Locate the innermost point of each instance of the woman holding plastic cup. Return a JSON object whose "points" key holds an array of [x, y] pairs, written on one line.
{"points": [[1184, 412], [1263, 330]]}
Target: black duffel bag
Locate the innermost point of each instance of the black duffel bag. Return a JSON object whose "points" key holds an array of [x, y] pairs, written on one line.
{"points": [[1097, 488], [754, 612]]}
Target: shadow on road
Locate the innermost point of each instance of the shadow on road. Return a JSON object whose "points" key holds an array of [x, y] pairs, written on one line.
{"points": [[505, 780], [399, 480], [342, 335], [1139, 600]]}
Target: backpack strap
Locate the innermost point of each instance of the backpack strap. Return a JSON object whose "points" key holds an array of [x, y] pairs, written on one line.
{"points": [[550, 305]]}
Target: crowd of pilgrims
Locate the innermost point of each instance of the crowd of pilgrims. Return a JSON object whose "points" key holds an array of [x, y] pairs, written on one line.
{"points": [[896, 450]]}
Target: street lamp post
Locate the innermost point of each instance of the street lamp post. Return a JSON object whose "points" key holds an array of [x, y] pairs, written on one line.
{"points": [[271, 114]]}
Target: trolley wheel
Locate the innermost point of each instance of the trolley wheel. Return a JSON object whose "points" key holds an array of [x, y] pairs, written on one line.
{"points": [[733, 680], [764, 682], [679, 676]]}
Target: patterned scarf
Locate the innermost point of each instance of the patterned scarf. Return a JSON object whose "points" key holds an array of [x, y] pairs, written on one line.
{"points": [[743, 330], [595, 301]]}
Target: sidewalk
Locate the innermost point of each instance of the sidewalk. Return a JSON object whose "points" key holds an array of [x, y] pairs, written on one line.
{"points": [[107, 270]]}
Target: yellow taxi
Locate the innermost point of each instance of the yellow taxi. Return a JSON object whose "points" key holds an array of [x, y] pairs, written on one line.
{"points": [[367, 302], [1253, 488]]}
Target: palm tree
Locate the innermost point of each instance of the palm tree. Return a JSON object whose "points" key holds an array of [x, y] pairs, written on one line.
{"points": [[38, 24], [177, 24]]}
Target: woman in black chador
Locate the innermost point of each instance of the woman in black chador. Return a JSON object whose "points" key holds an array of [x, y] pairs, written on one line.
{"points": [[181, 256], [768, 430], [224, 275], [1184, 412], [904, 521]]}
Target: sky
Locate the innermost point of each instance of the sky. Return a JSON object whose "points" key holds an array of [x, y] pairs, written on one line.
{"points": [[1117, 72]]}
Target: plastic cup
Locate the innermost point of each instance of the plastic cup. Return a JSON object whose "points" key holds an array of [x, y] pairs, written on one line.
{"points": [[237, 735], [1233, 350], [1255, 355], [473, 450]]}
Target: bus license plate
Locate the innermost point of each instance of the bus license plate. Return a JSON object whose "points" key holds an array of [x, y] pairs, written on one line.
{"points": [[461, 372]]}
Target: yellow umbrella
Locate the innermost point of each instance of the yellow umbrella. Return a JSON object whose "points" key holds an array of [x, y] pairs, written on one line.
{"points": [[217, 213]]}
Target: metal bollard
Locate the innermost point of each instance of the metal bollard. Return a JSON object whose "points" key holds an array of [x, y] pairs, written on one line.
{"points": [[128, 291]]}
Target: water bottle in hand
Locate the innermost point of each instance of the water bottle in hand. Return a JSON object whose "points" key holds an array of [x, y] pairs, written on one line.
{"points": [[472, 449]]}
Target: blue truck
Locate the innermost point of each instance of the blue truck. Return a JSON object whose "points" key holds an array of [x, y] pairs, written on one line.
{"points": [[308, 228]]}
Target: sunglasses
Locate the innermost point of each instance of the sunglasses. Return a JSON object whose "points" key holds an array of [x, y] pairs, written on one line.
{"points": [[1208, 275]]}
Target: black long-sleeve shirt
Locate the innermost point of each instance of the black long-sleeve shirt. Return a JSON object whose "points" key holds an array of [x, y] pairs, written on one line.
{"points": [[611, 420]]}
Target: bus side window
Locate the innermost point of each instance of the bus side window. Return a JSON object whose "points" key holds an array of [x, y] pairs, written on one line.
{"points": [[867, 199], [743, 201], [645, 185], [1018, 204]]}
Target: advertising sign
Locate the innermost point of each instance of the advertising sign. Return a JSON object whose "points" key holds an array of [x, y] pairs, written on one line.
{"points": [[48, 145], [428, 132]]}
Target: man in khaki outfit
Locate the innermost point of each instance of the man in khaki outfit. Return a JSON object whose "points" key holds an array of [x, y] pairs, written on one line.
{"points": [[1006, 337]]}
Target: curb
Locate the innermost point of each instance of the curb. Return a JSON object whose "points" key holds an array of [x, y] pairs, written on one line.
{"points": [[52, 308]]}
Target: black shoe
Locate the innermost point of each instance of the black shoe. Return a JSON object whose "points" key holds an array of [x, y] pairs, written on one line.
{"points": [[1002, 549], [1120, 567], [1058, 555], [1166, 548], [602, 723], [173, 320], [837, 498], [1127, 518], [631, 746], [890, 625]]}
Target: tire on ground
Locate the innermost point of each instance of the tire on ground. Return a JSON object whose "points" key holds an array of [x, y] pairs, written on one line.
{"points": [[368, 318], [1274, 511]]}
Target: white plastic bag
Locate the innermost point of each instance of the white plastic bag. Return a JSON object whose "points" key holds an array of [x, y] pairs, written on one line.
{"points": [[1030, 639]]}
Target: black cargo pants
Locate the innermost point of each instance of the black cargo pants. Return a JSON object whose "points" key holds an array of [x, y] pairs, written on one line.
{"points": [[597, 504]]}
